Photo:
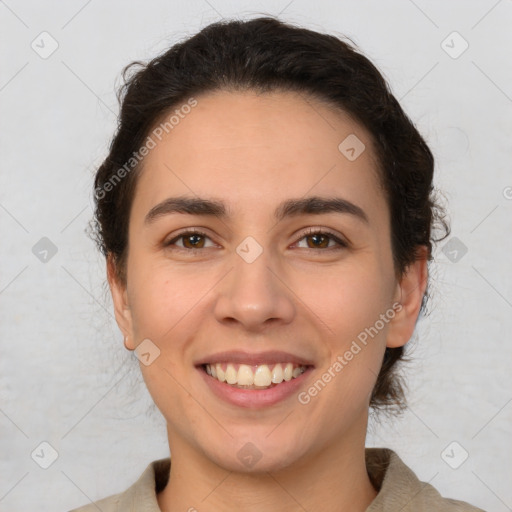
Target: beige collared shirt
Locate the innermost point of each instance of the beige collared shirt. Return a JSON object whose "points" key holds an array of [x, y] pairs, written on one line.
{"points": [[399, 489]]}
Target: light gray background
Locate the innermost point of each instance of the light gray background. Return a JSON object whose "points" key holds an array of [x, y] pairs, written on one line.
{"points": [[65, 377]]}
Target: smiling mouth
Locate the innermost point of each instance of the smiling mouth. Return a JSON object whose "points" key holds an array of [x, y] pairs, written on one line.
{"points": [[246, 376]]}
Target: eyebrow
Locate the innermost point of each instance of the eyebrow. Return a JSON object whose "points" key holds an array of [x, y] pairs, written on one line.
{"points": [[290, 208]]}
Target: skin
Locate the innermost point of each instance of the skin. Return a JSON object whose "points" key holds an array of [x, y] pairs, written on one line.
{"points": [[253, 152]]}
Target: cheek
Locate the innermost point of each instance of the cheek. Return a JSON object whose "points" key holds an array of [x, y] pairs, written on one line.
{"points": [[348, 308], [161, 297], [168, 305], [345, 300]]}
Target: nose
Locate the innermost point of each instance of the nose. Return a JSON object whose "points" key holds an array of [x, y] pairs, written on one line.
{"points": [[254, 295]]}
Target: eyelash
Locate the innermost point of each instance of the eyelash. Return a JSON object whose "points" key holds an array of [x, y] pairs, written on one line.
{"points": [[310, 232]]}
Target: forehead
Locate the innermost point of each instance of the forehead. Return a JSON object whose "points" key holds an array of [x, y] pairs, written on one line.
{"points": [[247, 146]]}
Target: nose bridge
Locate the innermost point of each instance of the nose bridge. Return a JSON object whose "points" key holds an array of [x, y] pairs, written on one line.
{"points": [[252, 293]]}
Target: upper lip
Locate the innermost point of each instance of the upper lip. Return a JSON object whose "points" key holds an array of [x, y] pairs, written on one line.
{"points": [[254, 358]]}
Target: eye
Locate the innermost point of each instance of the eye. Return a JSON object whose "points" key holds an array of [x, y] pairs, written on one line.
{"points": [[191, 239], [320, 240]]}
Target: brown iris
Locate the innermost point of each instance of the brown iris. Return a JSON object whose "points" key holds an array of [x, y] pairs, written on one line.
{"points": [[196, 243], [316, 237]]}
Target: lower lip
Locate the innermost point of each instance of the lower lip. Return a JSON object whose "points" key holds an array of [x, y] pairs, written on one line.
{"points": [[254, 398]]}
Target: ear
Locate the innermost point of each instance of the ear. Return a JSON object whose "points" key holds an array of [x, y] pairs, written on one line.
{"points": [[409, 294], [121, 306]]}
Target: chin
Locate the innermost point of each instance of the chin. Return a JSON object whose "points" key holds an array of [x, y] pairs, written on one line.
{"points": [[258, 454]]}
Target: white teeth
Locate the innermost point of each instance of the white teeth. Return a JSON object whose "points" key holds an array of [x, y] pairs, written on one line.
{"points": [[297, 372], [262, 376], [231, 374], [277, 374], [245, 376], [253, 377], [221, 375]]}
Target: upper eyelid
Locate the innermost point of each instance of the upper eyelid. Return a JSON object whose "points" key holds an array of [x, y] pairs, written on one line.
{"points": [[339, 239], [188, 231]]}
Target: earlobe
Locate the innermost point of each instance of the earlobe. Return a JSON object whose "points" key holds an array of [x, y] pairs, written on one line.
{"points": [[410, 292], [120, 300]]}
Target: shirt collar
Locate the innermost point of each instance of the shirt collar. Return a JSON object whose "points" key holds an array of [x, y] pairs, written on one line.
{"points": [[398, 487]]}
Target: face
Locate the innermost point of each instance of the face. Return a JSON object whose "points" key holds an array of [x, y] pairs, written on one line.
{"points": [[266, 280]]}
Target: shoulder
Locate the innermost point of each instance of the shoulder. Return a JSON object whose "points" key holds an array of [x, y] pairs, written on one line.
{"points": [[400, 489], [110, 504], [142, 495]]}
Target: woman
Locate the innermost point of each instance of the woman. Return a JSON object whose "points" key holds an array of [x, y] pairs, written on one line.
{"points": [[267, 216]]}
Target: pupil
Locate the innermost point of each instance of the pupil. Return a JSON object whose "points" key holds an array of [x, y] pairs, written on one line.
{"points": [[194, 239], [316, 239]]}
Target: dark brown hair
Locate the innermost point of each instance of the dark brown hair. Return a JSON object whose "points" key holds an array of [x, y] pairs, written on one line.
{"points": [[265, 55]]}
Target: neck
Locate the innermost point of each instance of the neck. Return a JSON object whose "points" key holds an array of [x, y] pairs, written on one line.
{"points": [[332, 479]]}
